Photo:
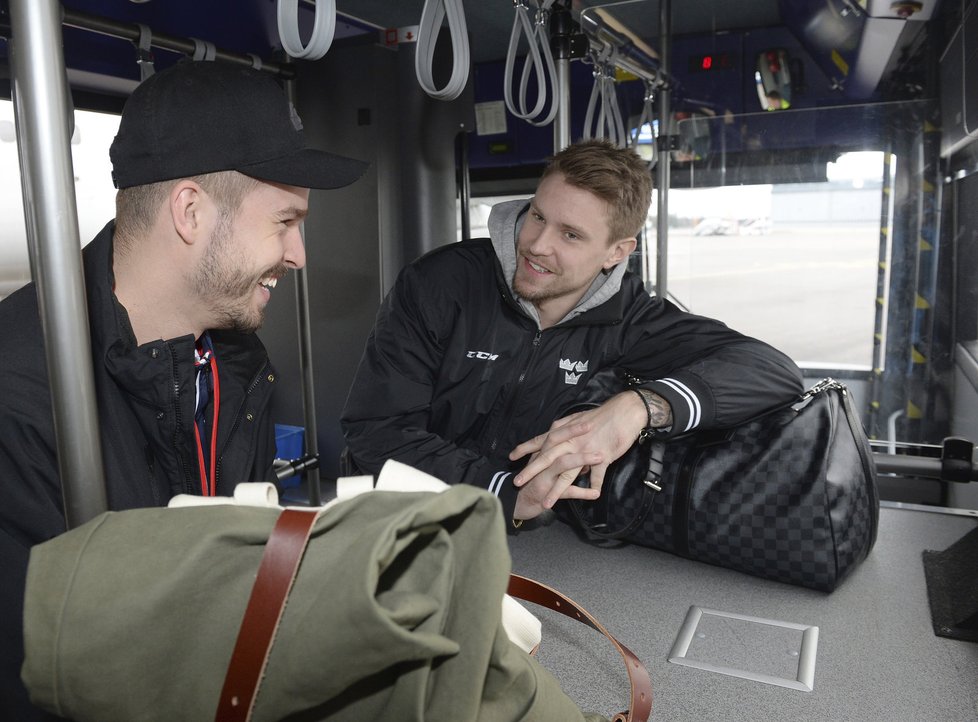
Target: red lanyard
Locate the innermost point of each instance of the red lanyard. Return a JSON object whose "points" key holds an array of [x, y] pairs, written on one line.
{"points": [[208, 481]]}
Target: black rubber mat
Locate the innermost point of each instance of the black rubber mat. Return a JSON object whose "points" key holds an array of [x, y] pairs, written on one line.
{"points": [[952, 588]]}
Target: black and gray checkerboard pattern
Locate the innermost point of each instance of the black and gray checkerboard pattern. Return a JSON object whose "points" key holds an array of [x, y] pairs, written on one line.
{"points": [[788, 496]]}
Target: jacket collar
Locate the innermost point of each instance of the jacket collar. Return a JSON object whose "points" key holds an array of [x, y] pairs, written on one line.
{"points": [[108, 318]]}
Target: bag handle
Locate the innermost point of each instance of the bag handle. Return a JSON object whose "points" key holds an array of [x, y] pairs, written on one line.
{"points": [[652, 452], [640, 703], [276, 573]]}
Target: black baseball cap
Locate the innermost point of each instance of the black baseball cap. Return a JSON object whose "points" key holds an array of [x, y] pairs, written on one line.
{"points": [[200, 117]]}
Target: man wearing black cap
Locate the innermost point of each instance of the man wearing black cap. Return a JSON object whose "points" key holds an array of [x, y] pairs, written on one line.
{"points": [[214, 178]]}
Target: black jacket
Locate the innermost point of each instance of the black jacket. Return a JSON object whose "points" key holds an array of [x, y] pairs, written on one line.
{"points": [[146, 398], [456, 372]]}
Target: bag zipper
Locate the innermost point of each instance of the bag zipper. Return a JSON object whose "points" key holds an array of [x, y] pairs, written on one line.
{"points": [[856, 428]]}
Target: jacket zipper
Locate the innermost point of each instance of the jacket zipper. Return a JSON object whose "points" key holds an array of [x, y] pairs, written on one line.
{"points": [[188, 474], [517, 390], [237, 422]]}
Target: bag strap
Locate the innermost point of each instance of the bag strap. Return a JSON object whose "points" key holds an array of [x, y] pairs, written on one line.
{"points": [[651, 484], [640, 703], [279, 565], [276, 573]]}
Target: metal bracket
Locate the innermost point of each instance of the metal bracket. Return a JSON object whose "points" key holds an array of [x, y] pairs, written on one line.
{"points": [[667, 142]]}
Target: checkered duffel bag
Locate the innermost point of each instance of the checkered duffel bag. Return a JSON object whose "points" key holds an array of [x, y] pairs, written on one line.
{"points": [[790, 495]]}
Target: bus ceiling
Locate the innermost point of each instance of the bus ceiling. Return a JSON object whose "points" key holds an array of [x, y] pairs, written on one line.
{"points": [[855, 45]]}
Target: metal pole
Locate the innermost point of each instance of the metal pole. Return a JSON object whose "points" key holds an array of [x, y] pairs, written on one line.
{"points": [[875, 382], [562, 131], [561, 29], [40, 95], [308, 388], [305, 362], [130, 31], [913, 465], [665, 138], [464, 184]]}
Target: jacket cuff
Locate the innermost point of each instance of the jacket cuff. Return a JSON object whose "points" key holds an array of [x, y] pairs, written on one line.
{"points": [[690, 400], [501, 486]]}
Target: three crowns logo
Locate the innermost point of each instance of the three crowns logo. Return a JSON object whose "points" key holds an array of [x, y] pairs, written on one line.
{"points": [[570, 367]]}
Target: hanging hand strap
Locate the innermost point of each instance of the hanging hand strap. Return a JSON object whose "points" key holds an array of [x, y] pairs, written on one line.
{"points": [[204, 50], [323, 29], [279, 565], [640, 705], [144, 52], [432, 15]]}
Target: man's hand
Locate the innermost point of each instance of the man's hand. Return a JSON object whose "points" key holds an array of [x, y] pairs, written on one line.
{"points": [[535, 497], [588, 439]]}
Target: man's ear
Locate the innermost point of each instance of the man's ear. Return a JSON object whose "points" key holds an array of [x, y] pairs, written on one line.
{"points": [[619, 251], [186, 206]]}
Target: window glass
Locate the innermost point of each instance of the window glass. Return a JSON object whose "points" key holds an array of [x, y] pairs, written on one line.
{"points": [[795, 264], [94, 193]]}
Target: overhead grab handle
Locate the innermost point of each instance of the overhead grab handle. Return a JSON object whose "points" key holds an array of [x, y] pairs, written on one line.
{"points": [[204, 49], [540, 61], [144, 52], [323, 29], [646, 118], [604, 99], [432, 15]]}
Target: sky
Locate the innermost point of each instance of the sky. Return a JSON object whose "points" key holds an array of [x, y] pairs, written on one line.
{"points": [[755, 201]]}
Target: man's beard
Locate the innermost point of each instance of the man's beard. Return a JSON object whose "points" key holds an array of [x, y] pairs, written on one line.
{"points": [[226, 287], [530, 293]]}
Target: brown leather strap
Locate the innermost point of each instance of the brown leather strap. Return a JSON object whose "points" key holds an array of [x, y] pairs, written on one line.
{"points": [[640, 706], [277, 571]]}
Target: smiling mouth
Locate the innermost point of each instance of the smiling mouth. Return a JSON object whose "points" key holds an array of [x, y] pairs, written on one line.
{"points": [[539, 269], [268, 282]]}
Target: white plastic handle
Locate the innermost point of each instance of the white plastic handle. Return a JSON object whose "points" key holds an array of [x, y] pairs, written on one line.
{"points": [[432, 15], [323, 29]]}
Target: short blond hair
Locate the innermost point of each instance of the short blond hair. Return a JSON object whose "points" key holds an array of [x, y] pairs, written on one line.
{"points": [[616, 175], [137, 207]]}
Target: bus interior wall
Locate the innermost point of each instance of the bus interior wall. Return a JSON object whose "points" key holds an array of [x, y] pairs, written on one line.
{"points": [[360, 237]]}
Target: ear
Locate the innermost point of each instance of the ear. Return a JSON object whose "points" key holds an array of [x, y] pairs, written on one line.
{"points": [[186, 210], [619, 251]]}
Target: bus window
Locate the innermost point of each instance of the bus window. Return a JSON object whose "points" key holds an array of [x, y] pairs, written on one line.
{"points": [[94, 193], [795, 264]]}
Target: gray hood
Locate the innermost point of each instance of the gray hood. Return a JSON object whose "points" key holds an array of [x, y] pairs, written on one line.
{"points": [[505, 221]]}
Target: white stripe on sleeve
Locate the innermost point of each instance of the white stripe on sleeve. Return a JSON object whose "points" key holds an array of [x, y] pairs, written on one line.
{"points": [[683, 390], [497, 481]]}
